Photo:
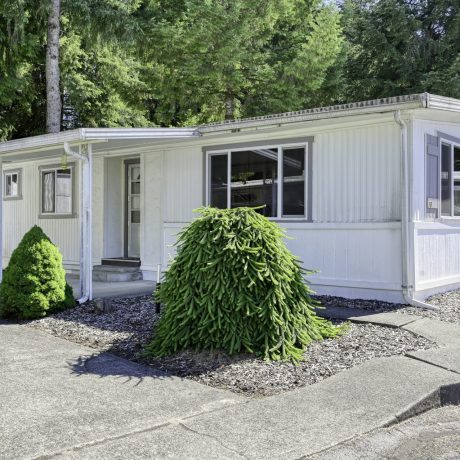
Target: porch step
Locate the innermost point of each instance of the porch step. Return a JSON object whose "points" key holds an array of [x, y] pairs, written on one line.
{"points": [[116, 273], [122, 261]]}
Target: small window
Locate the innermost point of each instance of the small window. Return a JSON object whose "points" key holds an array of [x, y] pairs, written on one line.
{"points": [[271, 178], [56, 191], [450, 180], [12, 185]]}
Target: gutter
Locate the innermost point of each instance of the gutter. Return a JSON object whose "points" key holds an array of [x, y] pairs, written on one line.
{"points": [[385, 105], [80, 136], [406, 186]]}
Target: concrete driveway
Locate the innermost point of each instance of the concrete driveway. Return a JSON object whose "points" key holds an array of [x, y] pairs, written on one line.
{"points": [[60, 399]]}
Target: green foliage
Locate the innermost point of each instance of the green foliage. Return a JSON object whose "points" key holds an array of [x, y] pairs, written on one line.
{"points": [[182, 63], [102, 81], [235, 286], [22, 63], [34, 282], [241, 58], [400, 46]]}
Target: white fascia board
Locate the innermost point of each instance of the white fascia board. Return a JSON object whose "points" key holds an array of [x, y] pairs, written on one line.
{"points": [[139, 133], [88, 135], [43, 141]]}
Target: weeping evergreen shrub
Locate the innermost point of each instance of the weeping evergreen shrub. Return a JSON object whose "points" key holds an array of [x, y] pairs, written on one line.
{"points": [[235, 286], [34, 283]]}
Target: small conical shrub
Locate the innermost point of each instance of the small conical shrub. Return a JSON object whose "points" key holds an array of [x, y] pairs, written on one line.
{"points": [[34, 283], [235, 286]]}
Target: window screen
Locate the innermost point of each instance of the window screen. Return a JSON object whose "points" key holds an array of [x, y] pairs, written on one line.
{"points": [[63, 191]]}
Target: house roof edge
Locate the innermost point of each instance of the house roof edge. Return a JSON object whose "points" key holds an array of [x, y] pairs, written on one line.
{"points": [[339, 110]]}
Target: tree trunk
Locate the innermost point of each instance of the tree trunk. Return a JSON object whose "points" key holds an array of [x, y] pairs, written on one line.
{"points": [[229, 106], [53, 94]]}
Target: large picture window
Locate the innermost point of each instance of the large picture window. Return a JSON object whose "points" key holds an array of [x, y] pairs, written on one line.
{"points": [[450, 179], [56, 191], [272, 178]]}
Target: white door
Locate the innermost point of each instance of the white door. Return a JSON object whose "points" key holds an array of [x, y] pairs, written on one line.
{"points": [[134, 210]]}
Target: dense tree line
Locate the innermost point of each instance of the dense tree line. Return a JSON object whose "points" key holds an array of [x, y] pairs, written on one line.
{"points": [[179, 63]]}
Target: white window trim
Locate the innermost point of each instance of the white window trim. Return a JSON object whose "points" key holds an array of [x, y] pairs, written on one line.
{"points": [[10, 172], [54, 215], [452, 143], [279, 147]]}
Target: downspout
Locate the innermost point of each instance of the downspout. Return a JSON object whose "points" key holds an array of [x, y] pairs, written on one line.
{"points": [[85, 244], [1, 218], [406, 181]]}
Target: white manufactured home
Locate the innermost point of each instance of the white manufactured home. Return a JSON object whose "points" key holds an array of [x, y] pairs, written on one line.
{"points": [[369, 192]]}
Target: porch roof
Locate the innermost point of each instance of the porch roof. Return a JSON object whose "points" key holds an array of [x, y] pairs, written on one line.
{"points": [[102, 139]]}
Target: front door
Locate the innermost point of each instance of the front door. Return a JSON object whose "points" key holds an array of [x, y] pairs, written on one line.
{"points": [[133, 207]]}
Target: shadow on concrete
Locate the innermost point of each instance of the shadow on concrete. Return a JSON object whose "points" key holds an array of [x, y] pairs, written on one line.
{"points": [[183, 364], [107, 365]]}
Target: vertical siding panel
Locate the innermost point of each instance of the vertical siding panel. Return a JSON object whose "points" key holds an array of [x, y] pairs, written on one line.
{"points": [[357, 175], [183, 183], [438, 253]]}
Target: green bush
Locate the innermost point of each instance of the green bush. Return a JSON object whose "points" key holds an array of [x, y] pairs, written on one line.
{"points": [[34, 282], [235, 286]]}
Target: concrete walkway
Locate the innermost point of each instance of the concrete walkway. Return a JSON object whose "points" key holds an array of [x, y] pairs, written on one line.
{"points": [[432, 435], [59, 399]]}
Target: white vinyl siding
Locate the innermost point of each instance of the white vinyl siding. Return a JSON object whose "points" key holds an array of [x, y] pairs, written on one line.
{"points": [[23, 214], [356, 175]]}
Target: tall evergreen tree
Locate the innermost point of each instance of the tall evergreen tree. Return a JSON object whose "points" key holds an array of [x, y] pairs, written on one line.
{"points": [[53, 92], [401, 46], [100, 76], [221, 59]]}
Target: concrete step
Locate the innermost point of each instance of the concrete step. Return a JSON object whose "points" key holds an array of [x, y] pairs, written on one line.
{"points": [[122, 262], [115, 273]]}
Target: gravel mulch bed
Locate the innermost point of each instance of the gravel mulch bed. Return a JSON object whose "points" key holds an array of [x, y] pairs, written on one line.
{"points": [[448, 303], [129, 327], [124, 331], [256, 377]]}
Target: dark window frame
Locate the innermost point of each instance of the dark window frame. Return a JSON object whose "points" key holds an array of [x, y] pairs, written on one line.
{"points": [[280, 145]]}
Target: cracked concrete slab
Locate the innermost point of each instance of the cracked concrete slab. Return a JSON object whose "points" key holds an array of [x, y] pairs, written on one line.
{"points": [[56, 395], [445, 357], [357, 315], [432, 435], [446, 334], [312, 418], [168, 442]]}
